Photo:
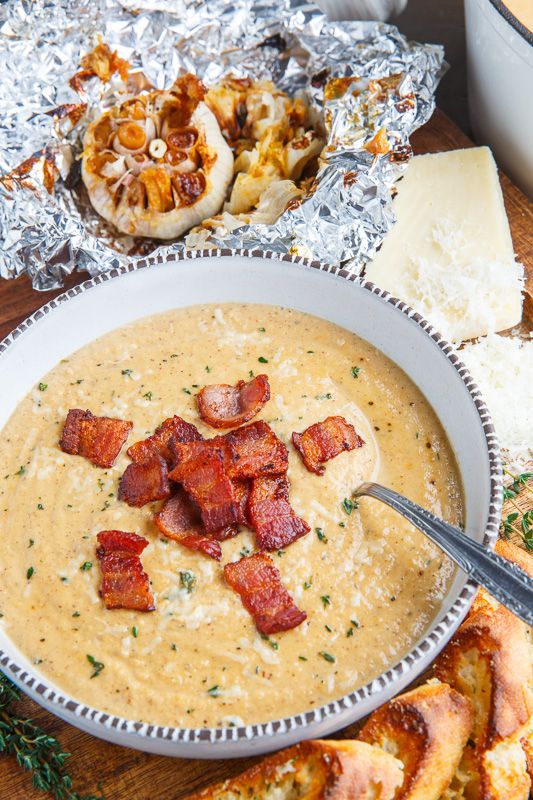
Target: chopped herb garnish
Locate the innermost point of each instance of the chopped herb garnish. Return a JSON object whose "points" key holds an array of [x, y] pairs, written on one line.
{"points": [[31, 542], [251, 374], [87, 565], [64, 578], [21, 470], [327, 396], [273, 645], [127, 372], [187, 391], [148, 395], [208, 369], [321, 535], [80, 380], [349, 505], [245, 552], [173, 646], [214, 691], [261, 330], [29, 573], [134, 632], [302, 658], [76, 614], [281, 553], [308, 584], [342, 524], [105, 506], [354, 624], [43, 387], [40, 507], [96, 665], [187, 580], [355, 372], [326, 600], [327, 657], [262, 360], [329, 630]]}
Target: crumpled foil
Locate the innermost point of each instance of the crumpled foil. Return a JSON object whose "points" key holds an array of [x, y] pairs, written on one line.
{"points": [[47, 226]]}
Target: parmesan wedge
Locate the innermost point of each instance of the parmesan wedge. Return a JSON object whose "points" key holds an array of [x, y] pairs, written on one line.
{"points": [[450, 254]]}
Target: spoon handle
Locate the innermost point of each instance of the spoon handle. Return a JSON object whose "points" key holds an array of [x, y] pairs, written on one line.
{"points": [[505, 581]]}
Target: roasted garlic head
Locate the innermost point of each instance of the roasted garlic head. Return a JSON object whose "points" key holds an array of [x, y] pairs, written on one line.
{"points": [[157, 164]]}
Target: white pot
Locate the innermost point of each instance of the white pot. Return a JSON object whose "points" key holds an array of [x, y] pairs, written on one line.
{"points": [[158, 284], [500, 86]]}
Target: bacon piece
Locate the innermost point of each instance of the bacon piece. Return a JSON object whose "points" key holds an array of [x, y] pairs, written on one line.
{"points": [[229, 532], [180, 520], [241, 490], [224, 406], [174, 429], [271, 515], [144, 481], [124, 582], [99, 439], [200, 470], [258, 582], [325, 440], [253, 451]]}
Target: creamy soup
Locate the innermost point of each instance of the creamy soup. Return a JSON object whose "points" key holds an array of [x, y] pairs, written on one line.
{"points": [[369, 582]]}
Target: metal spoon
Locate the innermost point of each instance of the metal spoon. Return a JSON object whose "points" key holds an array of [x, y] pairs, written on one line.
{"points": [[506, 582]]}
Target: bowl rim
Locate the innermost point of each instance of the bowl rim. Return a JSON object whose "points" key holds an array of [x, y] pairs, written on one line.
{"points": [[387, 680]]}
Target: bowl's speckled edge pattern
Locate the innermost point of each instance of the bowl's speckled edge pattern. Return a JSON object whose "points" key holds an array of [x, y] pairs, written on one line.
{"points": [[389, 678]]}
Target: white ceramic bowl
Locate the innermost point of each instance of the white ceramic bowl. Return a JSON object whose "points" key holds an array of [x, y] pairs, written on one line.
{"points": [[108, 301], [500, 86]]}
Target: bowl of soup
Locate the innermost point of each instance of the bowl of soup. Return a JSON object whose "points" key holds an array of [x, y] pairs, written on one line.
{"points": [[194, 677]]}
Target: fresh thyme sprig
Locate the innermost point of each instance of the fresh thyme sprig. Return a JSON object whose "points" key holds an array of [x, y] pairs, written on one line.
{"points": [[518, 521], [34, 749]]}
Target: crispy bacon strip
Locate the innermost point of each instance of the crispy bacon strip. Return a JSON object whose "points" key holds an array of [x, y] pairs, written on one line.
{"points": [[258, 582], [124, 582], [253, 451], [325, 440], [99, 439], [224, 406], [241, 490], [180, 520], [271, 515], [144, 481], [200, 470], [174, 429]]}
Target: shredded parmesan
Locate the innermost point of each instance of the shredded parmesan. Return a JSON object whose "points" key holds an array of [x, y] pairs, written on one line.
{"points": [[502, 367]]}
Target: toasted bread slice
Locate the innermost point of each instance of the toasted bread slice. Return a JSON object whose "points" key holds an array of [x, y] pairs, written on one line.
{"points": [[315, 770], [489, 661], [426, 729]]}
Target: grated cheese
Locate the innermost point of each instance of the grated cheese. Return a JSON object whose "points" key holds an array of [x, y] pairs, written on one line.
{"points": [[502, 367]]}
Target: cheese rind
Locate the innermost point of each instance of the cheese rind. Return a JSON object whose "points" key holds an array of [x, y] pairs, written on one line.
{"points": [[450, 254]]}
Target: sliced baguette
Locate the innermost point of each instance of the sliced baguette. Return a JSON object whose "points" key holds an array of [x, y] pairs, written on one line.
{"points": [[489, 661], [315, 770], [426, 729]]}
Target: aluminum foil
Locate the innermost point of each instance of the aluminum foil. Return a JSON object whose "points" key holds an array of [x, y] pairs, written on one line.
{"points": [[47, 225]]}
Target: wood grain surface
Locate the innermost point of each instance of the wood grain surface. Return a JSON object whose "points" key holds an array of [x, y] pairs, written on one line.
{"points": [[121, 773]]}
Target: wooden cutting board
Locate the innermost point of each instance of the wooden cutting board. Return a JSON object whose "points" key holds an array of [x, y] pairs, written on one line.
{"points": [[122, 773]]}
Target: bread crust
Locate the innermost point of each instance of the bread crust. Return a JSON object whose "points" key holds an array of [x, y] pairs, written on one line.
{"points": [[427, 729], [489, 661], [322, 770]]}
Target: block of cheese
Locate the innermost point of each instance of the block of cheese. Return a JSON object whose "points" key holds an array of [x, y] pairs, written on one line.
{"points": [[450, 254]]}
